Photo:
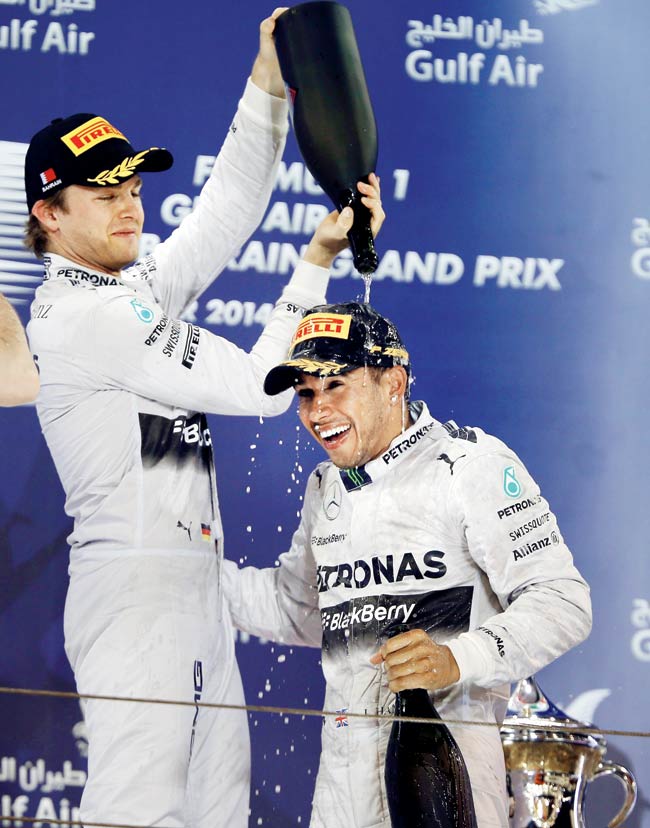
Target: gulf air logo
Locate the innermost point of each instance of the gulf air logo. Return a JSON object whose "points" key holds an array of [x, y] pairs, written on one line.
{"points": [[90, 134], [322, 324]]}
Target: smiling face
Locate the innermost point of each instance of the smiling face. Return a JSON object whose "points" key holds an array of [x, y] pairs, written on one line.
{"points": [[98, 227], [354, 416]]}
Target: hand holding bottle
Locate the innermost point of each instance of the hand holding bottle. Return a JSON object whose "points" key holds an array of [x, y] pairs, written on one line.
{"points": [[331, 237], [330, 110], [427, 785], [413, 660], [266, 69]]}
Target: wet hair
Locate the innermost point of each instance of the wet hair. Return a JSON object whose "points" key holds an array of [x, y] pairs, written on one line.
{"points": [[35, 234]]}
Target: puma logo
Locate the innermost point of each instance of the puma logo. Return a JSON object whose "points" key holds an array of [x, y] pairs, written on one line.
{"points": [[452, 463], [187, 529]]}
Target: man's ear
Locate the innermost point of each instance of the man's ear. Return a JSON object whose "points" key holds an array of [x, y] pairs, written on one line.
{"points": [[397, 381], [46, 214]]}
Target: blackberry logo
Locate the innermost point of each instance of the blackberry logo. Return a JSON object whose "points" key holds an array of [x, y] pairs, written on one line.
{"points": [[363, 614]]}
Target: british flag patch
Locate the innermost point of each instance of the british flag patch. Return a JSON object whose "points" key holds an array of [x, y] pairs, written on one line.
{"points": [[342, 720]]}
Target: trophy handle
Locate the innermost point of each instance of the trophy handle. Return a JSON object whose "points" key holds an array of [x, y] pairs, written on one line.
{"points": [[606, 768]]}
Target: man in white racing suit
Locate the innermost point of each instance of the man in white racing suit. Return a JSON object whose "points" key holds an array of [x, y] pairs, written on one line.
{"points": [[124, 382], [412, 522]]}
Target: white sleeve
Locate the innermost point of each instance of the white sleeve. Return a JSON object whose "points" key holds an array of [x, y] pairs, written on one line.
{"points": [[514, 538], [230, 207], [135, 346], [279, 603]]}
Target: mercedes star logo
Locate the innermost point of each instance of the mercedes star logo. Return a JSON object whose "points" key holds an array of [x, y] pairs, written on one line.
{"points": [[332, 501]]}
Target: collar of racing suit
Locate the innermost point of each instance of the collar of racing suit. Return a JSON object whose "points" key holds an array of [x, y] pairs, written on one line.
{"points": [[58, 267], [397, 451]]}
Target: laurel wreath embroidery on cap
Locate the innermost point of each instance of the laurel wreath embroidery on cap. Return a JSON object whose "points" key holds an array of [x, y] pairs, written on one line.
{"points": [[123, 170], [326, 367]]}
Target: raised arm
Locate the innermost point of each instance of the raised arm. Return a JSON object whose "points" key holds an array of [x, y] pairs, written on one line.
{"points": [[166, 359], [18, 374], [233, 200]]}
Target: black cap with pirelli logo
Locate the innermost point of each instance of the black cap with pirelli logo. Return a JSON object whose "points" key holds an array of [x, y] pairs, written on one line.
{"points": [[84, 149], [333, 339]]}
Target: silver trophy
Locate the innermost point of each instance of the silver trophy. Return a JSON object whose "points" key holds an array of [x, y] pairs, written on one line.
{"points": [[550, 758]]}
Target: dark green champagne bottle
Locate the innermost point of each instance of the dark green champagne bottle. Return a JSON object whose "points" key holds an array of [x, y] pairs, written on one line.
{"points": [[331, 112], [426, 779]]}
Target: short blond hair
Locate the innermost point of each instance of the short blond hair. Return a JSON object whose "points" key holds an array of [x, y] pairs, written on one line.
{"points": [[35, 234]]}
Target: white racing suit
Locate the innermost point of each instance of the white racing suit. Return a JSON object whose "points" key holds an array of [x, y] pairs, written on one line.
{"points": [[123, 382], [445, 531]]}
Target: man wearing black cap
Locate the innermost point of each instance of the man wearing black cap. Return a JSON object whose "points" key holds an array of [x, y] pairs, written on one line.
{"points": [[412, 522], [123, 382]]}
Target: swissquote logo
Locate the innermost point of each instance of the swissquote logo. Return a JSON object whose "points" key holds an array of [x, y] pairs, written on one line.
{"points": [[20, 271]]}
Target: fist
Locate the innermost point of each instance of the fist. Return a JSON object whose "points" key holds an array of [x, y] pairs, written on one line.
{"points": [[413, 660]]}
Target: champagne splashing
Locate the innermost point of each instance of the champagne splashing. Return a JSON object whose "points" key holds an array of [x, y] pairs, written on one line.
{"points": [[367, 280]]}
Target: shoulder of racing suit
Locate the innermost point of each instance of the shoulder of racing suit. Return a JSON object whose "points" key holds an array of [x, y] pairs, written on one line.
{"points": [[458, 446]]}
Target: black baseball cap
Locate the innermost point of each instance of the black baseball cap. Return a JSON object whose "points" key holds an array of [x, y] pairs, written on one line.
{"points": [[84, 149], [334, 339]]}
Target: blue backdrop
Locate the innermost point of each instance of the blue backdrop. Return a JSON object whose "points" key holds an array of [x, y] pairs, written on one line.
{"points": [[515, 260]]}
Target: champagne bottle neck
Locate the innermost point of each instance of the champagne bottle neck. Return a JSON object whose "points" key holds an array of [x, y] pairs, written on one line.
{"points": [[362, 241], [415, 703]]}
